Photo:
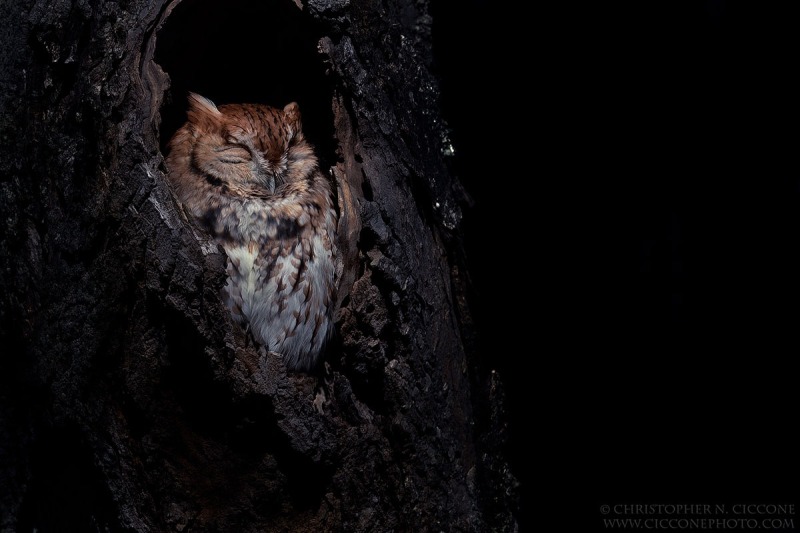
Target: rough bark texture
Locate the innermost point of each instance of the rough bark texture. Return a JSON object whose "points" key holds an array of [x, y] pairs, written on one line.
{"points": [[128, 399]]}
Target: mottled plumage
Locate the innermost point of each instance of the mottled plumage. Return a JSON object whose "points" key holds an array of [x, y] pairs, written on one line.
{"points": [[248, 176]]}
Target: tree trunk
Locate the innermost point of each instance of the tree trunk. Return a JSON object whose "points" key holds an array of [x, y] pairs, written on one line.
{"points": [[129, 401]]}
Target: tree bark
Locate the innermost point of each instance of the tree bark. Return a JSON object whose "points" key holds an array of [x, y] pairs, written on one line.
{"points": [[129, 401]]}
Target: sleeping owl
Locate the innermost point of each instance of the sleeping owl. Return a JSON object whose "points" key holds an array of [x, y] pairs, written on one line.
{"points": [[247, 175]]}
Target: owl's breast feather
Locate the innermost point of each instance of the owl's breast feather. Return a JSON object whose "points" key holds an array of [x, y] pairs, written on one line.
{"points": [[243, 274]]}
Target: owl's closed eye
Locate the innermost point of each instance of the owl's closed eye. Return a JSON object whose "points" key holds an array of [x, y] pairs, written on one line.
{"points": [[233, 154]]}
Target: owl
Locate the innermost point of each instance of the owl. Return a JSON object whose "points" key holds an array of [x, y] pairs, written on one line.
{"points": [[246, 174]]}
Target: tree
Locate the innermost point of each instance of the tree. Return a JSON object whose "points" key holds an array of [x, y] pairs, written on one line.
{"points": [[128, 399]]}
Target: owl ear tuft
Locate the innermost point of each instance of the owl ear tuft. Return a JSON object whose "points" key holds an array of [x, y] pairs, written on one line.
{"points": [[202, 111], [202, 104], [292, 117]]}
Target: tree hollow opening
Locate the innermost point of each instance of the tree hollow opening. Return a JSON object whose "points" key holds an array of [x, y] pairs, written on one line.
{"points": [[246, 52]]}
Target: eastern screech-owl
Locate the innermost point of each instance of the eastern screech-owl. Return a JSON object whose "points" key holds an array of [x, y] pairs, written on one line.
{"points": [[248, 176]]}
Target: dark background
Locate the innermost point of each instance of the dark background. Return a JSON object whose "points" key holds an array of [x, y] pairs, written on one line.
{"points": [[633, 241]]}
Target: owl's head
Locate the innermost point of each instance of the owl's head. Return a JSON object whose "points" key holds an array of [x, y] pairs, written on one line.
{"points": [[246, 144]]}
